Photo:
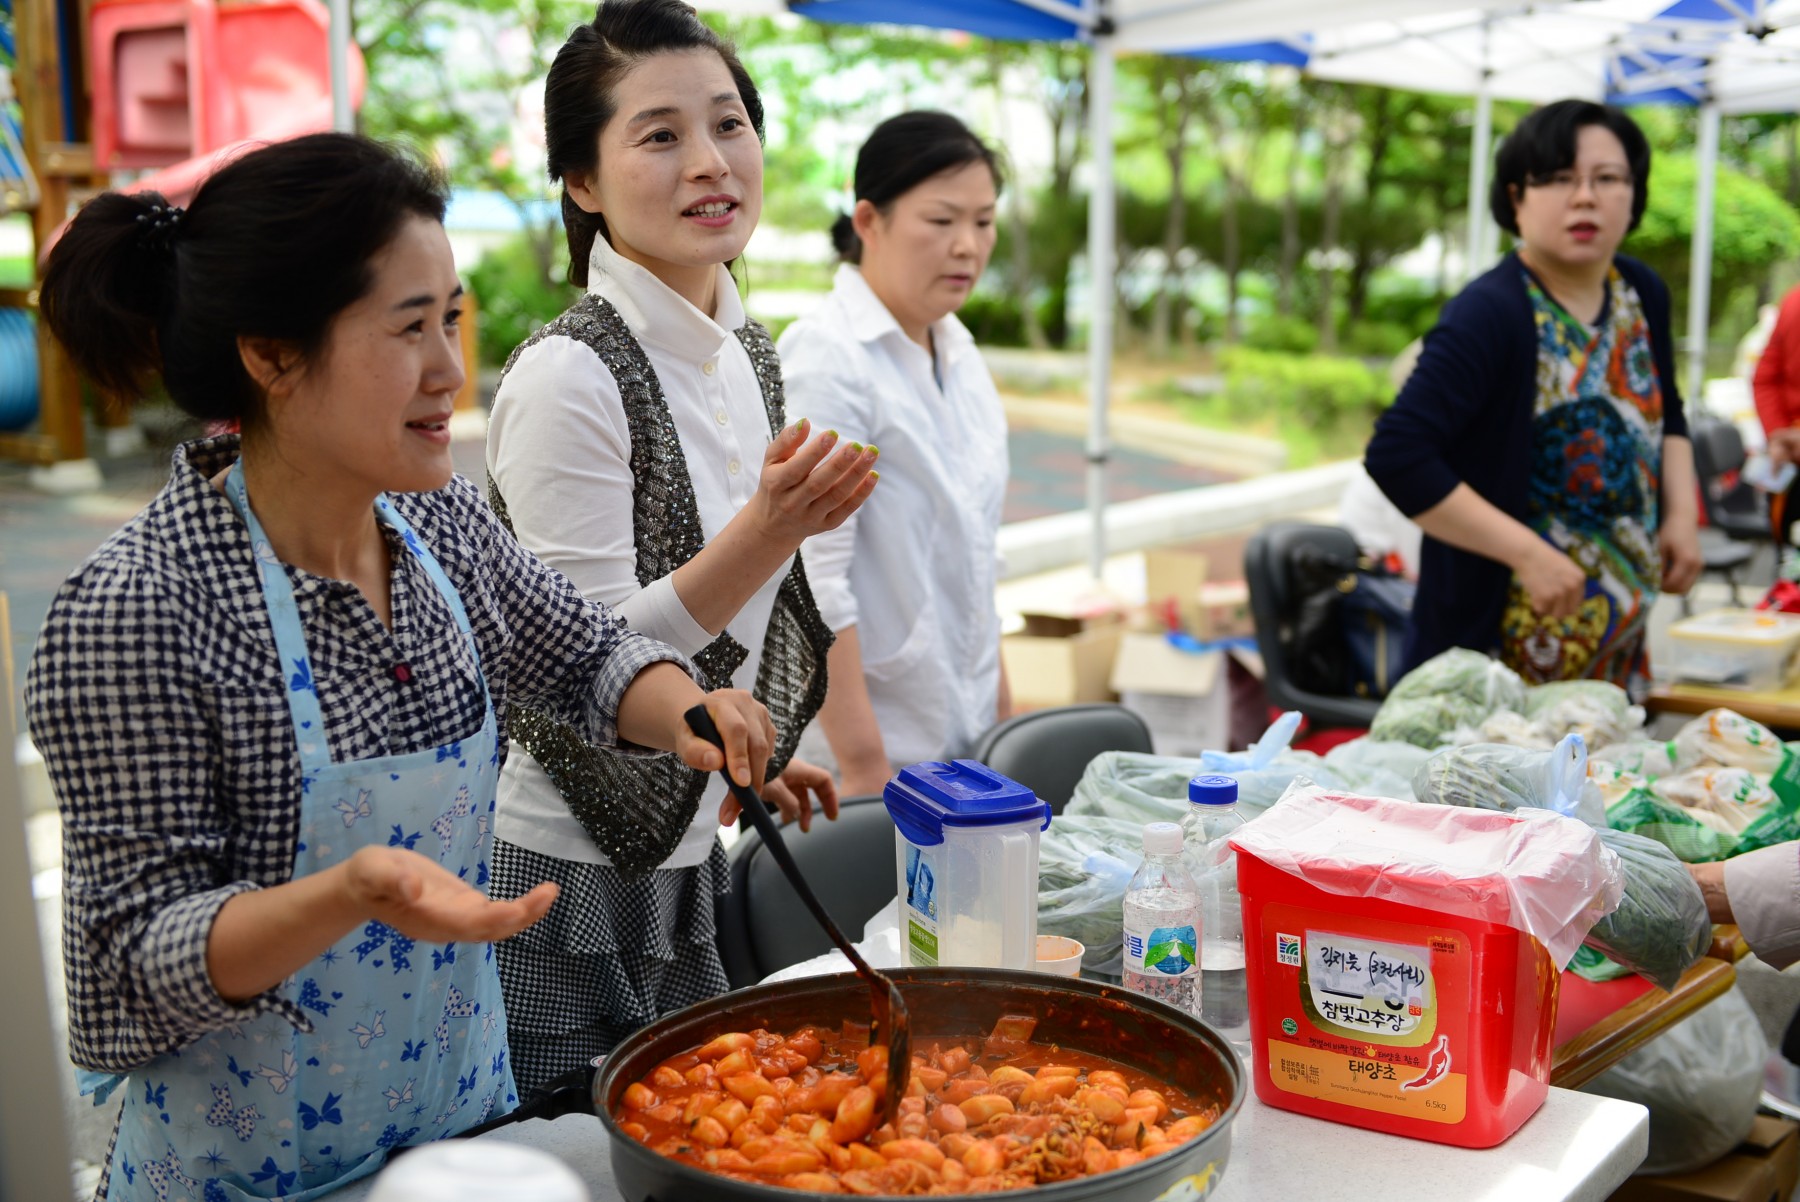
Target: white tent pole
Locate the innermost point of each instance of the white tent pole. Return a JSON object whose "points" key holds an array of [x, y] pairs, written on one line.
{"points": [[1700, 274], [342, 119], [1100, 289], [1480, 165]]}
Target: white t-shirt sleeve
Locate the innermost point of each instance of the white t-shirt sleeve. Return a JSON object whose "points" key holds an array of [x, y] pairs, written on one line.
{"points": [[824, 385], [559, 450]]}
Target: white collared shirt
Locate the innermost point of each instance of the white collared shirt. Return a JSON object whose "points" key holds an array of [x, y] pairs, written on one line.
{"points": [[560, 450], [914, 569]]}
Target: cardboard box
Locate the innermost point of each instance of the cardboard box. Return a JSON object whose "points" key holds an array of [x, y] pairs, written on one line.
{"points": [[1225, 610], [1182, 696], [1059, 659], [1176, 585], [1172, 583], [1764, 1168]]}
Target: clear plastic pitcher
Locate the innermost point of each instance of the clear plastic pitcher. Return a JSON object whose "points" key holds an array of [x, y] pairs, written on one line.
{"points": [[966, 865]]}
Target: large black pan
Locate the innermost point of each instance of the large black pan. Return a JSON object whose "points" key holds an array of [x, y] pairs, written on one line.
{"points": [[959, 1003]]}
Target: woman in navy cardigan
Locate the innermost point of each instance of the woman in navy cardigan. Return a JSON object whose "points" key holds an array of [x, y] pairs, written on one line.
{"points": [[1540, 441]]}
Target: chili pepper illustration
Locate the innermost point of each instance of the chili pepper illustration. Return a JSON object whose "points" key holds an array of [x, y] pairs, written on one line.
{"points": [[1437, 1063]]}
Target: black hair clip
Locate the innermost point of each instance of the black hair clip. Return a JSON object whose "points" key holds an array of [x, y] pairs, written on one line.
{"points": [[157, 225]]}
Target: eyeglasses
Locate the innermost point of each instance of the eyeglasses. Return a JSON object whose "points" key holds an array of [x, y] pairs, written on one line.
{"points": [[1608, 184]]}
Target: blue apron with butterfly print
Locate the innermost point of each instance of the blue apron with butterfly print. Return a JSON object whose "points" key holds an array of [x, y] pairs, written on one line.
{"points": [[409, 1040]]}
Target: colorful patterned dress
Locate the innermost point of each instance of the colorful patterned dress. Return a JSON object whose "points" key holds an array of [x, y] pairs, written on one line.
{"points": [[1596, 468]]}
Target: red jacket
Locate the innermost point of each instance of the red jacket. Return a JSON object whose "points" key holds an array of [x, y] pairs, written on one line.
{"points": [[1777, 380]]}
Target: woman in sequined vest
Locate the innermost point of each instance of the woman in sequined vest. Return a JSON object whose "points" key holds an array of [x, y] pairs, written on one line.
{"points": [[638, 444]]}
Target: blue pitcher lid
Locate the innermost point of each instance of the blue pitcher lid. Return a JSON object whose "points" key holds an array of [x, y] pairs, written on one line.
{"points": [[925, 798], [1213, 789]]}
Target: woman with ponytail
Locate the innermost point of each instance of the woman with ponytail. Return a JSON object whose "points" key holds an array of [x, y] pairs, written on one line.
{"points": [[640, 443], [907, 585], [268, 703]]}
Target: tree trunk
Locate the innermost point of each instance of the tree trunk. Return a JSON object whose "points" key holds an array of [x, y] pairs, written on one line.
{"points": [[1380, 139], [1175, 221], [1337, 138], [1290, 212], [1018, 229], [1231, 255]]}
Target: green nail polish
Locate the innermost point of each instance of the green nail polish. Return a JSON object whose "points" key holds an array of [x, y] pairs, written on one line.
{"points": [[873, 449], [874, 475], [857, 447]]}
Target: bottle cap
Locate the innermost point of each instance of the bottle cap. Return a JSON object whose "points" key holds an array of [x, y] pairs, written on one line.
{"points": [[1161, 838], [1213, 790]]}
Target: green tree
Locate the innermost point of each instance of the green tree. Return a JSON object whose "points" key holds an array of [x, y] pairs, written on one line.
{"points": [[1754, 231]]}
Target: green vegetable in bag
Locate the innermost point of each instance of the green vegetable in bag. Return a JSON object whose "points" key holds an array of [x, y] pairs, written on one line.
{"points": [[1643, 813], [1457, 688], [1661, 928]]}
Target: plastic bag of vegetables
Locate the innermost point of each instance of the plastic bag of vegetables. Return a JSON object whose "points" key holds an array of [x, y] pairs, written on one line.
{"points": [[1612, 782], [1457, 688], [1605, 696], [1424, 721], [1640, 757], [1729, 800], [1661, 928], [1133, 786], [1467, 674], [1727, 738], [1495, 776]]}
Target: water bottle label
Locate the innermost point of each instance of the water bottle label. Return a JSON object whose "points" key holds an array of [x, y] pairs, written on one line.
{"points": [[919, 914], [1171, 951]]}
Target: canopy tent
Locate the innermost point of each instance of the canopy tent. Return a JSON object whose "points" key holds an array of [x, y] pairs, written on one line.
{"points": [[1721, 56], [1239, 28]]}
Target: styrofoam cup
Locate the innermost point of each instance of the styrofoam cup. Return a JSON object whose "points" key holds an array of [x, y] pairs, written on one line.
{"points": [[476, 1171], [1059, 955]]}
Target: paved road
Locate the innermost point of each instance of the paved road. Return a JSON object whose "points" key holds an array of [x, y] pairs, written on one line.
{"points": [[44, 538]]}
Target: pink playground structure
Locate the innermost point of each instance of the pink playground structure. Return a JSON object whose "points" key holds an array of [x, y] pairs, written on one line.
{"points": [[183, 84]]}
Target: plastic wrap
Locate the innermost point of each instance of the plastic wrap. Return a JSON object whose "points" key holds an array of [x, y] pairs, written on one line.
{"points": [[1373, 767], [1640, 757], [1730, 740], [1493, 776], [1729, 800], [1532, 870], [1084, 864], [1610, 783], [1701, 1080], [1661, 928]]}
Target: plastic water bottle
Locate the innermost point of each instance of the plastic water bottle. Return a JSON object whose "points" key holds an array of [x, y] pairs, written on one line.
{"points": [[1211, 819], [1162, 923]]}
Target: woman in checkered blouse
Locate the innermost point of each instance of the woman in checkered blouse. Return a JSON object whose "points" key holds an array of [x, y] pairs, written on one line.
{"points": [[268, 703]]}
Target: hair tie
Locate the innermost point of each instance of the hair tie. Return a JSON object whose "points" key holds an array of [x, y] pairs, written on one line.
{"points": [[157, 225]]}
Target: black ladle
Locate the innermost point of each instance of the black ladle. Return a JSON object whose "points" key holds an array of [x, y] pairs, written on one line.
{"points": [[891, 1022]]}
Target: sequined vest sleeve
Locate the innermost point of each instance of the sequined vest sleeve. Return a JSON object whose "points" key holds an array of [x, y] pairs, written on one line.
{"points": [[636, 809]]}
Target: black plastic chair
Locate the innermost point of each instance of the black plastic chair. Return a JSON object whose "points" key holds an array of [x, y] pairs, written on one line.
{"points": [[764, 926], [1737, 515], [1732, 506], [1269, 571], [1048, 750]]}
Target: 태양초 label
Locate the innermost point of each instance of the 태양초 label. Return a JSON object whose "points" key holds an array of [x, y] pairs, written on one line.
{"points": [[1368, 1082]]}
